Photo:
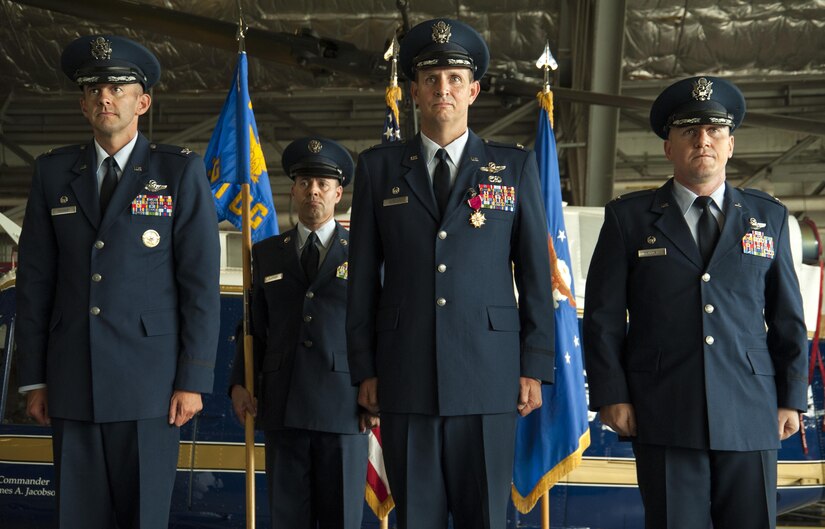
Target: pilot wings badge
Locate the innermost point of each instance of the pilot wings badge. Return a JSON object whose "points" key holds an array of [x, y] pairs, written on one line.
{"points": [[492, 168], [756, 225], [154, 187]]}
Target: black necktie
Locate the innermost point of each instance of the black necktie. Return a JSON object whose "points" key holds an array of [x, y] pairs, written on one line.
{"points": [[707, 230], [310, 256], [441, 180], [107, 188]]}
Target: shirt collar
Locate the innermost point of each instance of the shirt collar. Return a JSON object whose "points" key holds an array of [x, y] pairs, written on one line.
{"points": [[121, 156], [684, 197], [324, 233], [454, 150]]}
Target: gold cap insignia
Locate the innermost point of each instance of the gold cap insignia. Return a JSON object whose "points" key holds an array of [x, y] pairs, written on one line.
{"points": [[441, 32], [315, 146], [702, 89], [101, 49]]}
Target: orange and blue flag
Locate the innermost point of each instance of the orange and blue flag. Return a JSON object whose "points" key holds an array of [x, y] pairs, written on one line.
{"points": [[234, 157], [550, 441]]}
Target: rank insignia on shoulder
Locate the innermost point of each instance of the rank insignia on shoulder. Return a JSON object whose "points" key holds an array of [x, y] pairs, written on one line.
{"points": [[153, 186], [186, 151], [342, 271], [152, 205], [497, 197], [758, 244]]}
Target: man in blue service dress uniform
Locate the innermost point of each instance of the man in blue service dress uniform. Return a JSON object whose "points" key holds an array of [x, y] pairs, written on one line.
{"points": [[316, 457], [117, 297], [438, 343], [694, 337]]}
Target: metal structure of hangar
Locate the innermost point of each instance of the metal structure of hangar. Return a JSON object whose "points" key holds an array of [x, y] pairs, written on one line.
{"points": [[317, 68]]}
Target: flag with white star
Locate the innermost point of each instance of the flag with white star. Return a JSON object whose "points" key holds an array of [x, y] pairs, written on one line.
{"points": [[550, 441], [392, 130]]}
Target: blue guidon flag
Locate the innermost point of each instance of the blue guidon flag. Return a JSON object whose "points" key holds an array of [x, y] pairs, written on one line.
{"points": [[234, 157], [551, 440]]}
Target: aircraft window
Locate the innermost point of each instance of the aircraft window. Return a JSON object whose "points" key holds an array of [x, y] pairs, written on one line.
{"points": [[15, 409]]}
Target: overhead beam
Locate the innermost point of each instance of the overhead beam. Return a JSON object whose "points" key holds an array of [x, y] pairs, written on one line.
{"points": [[787, 155]]}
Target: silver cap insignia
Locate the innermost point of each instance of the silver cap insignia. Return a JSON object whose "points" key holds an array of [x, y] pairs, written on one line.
{"points": [[702, 89], [101, 49], [441, 32], [315, 146]]}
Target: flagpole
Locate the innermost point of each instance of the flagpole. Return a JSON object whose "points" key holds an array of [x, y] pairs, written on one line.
{"points": [[246, 236], [546, 63]]}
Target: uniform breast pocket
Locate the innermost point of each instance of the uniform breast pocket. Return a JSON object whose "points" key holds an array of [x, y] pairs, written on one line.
{"points": [[497, 215], [151, 219], [756, 261]]}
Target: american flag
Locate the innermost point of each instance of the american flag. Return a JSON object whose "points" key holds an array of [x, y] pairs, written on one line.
{"points": [[378, 493]]}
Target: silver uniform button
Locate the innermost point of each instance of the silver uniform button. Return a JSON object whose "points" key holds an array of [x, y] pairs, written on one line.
{"points": [[442, 268], [709, 340], [442, 235], [95, 311], [308, 343], [709, 308], [96, 277], [441, 302], [310, 294], [307, 318], [99, 244], [706, 277]]}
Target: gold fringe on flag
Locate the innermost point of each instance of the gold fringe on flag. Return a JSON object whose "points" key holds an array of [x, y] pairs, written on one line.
{"points": [[393, 96], [381, 509], [525, 504], [546, 101]]}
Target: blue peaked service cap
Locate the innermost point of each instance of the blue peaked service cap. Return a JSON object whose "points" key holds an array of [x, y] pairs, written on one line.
{"points": [[697, 101], [98, 59], [443, 43], [318, 157]]}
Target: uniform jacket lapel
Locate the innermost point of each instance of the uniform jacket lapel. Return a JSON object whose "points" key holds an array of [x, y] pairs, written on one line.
{"points": [[467, 177], [672, 223], [417, 177], [134, 177], [737, 223], [335, 256], [85, 184], [289, 256]]}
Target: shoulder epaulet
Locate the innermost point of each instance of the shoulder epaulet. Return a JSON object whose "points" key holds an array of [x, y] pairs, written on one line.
{"points": [[171, 149], [69, 149], [634, 194], [759, 194], [517, 146], [388, 144]]}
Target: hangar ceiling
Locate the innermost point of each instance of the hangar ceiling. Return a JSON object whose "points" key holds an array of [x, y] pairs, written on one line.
{"points": [[316, 68]]}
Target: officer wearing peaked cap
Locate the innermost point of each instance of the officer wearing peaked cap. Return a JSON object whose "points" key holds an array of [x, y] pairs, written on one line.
{"points": [[694, 338], [440, 347], [117, 297], [316, 453]]}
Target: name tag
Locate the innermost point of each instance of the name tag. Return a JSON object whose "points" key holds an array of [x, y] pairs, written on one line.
{"points": [[653, 252], [68, 210], [273, 277], [395, 201]]}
